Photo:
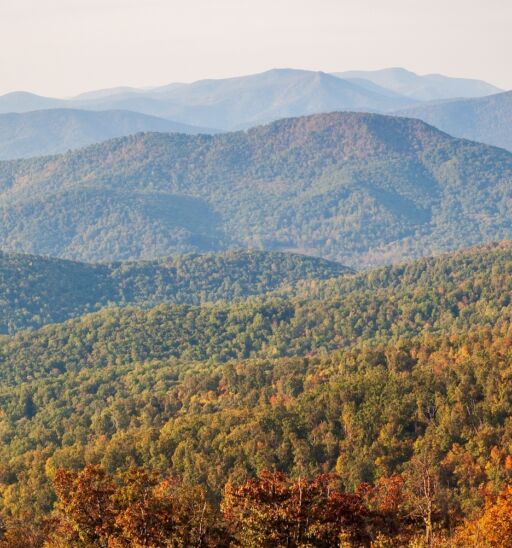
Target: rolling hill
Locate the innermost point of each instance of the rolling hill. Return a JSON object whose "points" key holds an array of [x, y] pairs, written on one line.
{"points": [[486, 119], [358, 188], [38, 290], [379, 306], [426, 87], [51, 131]]}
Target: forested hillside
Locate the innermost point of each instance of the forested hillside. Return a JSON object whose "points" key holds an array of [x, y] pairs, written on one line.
{"points": [[39, 290], [383, 377], [357, 188], [431, 296]]}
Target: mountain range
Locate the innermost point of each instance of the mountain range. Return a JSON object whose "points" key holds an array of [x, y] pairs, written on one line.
{"points": [[241, 312], [358, 188], [230, 103], [211, 106]]}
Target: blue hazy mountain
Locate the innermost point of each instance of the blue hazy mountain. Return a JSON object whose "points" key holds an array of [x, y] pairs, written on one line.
{"points": [[52, 131], [421, 87], [241, 102], [23, 101], [486, 119], [244, 101], [232, 103]]}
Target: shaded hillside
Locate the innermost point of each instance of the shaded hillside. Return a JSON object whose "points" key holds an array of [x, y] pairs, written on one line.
{"points": [[452, 293], [37, 290], [487, 119], [57, 130], [357, 188]]}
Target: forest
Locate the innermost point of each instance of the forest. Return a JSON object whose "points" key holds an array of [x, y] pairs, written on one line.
{"points": [[343, 409], [255, 274], [39, 290]]}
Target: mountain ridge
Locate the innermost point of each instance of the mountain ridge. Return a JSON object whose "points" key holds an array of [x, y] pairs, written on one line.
{"points": [[425, 87], [346, 186], [241, 101]]}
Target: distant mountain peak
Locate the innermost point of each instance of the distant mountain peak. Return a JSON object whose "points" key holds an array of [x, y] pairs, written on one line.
{"points": [[231, 103], [423, 87]]}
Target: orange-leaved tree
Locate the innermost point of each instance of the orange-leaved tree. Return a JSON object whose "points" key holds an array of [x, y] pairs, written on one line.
{"points": [[273, 510], [493, 528]]}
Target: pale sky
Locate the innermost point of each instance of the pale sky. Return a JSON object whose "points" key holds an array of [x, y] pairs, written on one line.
{"points": [[64, 47]]}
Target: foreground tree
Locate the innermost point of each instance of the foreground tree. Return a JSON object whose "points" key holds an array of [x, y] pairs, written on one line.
{"points": [[273, 510], [23, 534], [136, 509], [86, 512]]}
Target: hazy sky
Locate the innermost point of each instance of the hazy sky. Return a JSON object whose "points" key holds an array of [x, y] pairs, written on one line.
{"points": [[63, 47]]}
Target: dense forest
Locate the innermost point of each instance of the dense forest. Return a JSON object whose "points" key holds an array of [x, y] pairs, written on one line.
{"points": [[450, 293], [362, 189], [39, 290], [315, 415]]}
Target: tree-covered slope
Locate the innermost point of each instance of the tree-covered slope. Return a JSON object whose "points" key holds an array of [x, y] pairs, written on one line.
{"points": [[358, 188], [38, 290], [452, 293], [486, 119], [428, 378]]}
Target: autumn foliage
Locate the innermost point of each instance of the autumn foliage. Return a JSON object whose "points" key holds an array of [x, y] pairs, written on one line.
{"points": [[272, 510], [493, 529], [136, 509], [139, 509]]}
